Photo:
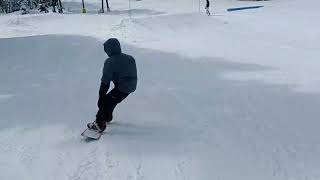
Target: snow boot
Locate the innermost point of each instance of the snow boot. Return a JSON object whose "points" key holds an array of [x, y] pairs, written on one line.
{"points": [[98, 126]]}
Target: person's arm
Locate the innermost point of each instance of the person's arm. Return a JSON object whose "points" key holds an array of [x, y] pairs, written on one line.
{"points": [[103, 89], [106, 78]]}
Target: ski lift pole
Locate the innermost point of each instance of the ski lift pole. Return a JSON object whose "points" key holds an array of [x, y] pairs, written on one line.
{"points": [[199, 6], [83, 9], [102, 7], [108, 9]]}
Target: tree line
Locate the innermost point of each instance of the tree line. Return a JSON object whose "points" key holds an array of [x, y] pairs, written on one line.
{"points": [[8, 6]]}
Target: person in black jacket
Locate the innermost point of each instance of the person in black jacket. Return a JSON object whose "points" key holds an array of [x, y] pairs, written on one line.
{"points": [[207, 7], [121, 69]]}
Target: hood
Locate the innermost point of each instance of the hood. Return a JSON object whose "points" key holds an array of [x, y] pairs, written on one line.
{"points": [[112, 47]]}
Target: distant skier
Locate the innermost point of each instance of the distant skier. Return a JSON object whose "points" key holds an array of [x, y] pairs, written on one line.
{"points": [[207, 7], [121, 69]]}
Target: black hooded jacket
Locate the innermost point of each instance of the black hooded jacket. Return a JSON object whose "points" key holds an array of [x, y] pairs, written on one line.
{"points": [[119, 68]]}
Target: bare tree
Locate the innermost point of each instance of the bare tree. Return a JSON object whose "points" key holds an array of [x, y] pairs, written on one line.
{"points": [[1, 5]]}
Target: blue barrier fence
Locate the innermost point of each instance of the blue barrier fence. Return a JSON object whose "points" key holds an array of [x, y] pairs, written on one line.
{"points": [[243, 8]]}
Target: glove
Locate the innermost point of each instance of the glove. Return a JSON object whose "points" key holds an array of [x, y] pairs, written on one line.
{"points": [[103, 89]]}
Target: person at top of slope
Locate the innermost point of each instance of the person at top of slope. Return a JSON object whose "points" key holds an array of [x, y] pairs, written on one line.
{"points": [[121, 69], [207, 7]]}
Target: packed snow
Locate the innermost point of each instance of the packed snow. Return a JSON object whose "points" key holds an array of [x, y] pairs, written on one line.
{"points": [[230, 96]]}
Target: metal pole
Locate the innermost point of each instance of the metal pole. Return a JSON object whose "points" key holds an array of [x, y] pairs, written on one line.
{"points": [[108, 9], [199, 6], [83, 8], [102, 6]]}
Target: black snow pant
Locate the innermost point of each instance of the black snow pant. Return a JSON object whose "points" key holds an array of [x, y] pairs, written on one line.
{"points": [[107, 103]]}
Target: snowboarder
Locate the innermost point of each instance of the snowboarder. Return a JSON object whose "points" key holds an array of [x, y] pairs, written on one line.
{"points": [[121, 69], [207, 7]]}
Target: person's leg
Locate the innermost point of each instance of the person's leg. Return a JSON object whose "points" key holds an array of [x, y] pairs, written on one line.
{"points": [[104, 104], [114, 97], [102, 114]]}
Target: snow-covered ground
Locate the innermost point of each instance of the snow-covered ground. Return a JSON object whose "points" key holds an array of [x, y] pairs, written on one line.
{"points": [[230, 96]]}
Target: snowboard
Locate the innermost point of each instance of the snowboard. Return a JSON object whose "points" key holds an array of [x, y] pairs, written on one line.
{"points": [[91, 134]]}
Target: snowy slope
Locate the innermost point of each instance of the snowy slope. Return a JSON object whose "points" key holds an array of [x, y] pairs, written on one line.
{"points": [[217, 96]]}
